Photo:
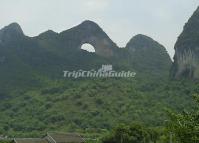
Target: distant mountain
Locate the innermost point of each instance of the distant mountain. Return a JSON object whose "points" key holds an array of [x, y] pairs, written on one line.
{"points": [[148, 55], [10, 33], [186, 59], [27, 59]]}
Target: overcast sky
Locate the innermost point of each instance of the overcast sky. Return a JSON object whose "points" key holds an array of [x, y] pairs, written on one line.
{"points": [[163, 20]]}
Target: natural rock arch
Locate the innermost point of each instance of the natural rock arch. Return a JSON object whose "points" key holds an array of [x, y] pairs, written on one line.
{"points": [[90, 33], [101, 46], [88, 47]]}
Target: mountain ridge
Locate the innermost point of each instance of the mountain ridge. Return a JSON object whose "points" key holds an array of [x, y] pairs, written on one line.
{"points": [[85, 23], [49, 53]]}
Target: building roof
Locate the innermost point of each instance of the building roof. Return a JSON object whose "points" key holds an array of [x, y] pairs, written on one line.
{"points": [[65, 137], [30, 140]]}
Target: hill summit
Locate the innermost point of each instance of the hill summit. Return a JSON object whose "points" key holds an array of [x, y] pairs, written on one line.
{"points": [[10, 33]]}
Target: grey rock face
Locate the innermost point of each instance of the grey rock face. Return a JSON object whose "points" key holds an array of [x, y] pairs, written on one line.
{"points": [[10, 33], [186, 59]]}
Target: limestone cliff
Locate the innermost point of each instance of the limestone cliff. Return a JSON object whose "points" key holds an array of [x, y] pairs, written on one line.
{"points": [[10, 33], [186, 59]]}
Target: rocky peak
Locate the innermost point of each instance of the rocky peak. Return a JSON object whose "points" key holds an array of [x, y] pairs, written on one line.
{"points": [[146, 53], [11, 32], [90, 28], [49, 34], [89, 32], [89, 24], [186, 58], [142, 41]]}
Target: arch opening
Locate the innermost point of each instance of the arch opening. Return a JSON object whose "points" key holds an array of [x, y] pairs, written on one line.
{"points": [[88, 47]]}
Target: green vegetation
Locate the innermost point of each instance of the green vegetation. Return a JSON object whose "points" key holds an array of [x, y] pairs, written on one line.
{"points": [[98, 104], [6, 141], [180, 128], [184, 127], [133, 133]]}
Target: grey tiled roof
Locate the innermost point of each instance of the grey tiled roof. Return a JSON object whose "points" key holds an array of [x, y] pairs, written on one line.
{"points": [[30, 140], [53, 137], [66, 137]]}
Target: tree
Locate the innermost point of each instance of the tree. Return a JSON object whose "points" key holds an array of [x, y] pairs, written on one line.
{"points": [[185, 126], [133, 133]]}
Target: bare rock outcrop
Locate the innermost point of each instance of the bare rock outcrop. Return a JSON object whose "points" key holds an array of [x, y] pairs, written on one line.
{"points": [[186, 59]]}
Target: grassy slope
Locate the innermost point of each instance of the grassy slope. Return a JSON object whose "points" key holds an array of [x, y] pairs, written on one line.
{"points": [[74, 105]]}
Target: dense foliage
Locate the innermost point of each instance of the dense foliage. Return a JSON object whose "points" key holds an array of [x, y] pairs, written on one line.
{"points": [[99, 104], [184, 127], [133, 133]]}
